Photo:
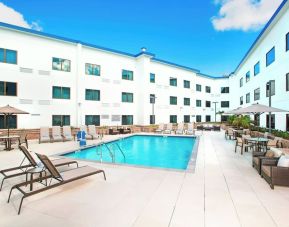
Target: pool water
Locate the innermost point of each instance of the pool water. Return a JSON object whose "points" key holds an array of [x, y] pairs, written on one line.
{"points": [[150, 151]]}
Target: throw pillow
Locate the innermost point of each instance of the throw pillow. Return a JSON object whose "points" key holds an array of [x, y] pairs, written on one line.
{"points": [[283, 161]]}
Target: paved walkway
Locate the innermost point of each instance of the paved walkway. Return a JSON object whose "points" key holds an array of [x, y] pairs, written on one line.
{"points": [[224, 191]]}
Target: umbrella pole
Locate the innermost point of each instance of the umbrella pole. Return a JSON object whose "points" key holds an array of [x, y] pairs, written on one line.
{"points": [[8, 124]]}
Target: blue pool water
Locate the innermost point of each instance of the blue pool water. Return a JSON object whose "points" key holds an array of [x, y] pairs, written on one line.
{"points": [[151, 151]]}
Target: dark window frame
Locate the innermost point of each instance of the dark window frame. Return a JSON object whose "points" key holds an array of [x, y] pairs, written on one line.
{"points": [[257, 66], [187, 84], [173, 98], [92, 90], [208, 89], [126, 100], [187, 101], [173, 119], [199, 87], [62, 60], [5, 88], [257, 95], [173, 82], [223, 104], [61, 120], [225, 90], [248, 97], [208, 104], [127, 76], [95, 121], [187, 118], [61, 93], [88, 64], [5, 56], [268, 55], [152, 75], [14, 117]]}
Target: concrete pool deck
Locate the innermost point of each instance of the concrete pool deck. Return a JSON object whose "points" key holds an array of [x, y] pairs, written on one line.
{"points": [[224, 191]]}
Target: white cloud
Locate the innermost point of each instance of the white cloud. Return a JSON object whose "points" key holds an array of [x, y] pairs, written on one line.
{"points": [[11, 16], [244, 14]]}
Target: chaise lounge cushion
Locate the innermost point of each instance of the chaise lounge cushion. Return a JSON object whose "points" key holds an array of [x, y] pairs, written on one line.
{"points": [[277, 152], [283, 161]]}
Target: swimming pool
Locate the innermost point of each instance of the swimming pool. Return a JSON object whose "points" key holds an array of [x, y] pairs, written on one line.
{"points": [[172, 152]]}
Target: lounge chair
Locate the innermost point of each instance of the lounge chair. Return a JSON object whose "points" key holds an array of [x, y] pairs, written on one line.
{"points": [[32, 164], [191, 130], [180, 129], [44, 135], [169, 128], [160, 129], [60, 178], [92, 132], [67, 133], [87, 136], [56, 134]]}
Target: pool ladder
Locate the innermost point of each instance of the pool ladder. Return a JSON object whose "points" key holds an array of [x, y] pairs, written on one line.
{"points": [[112, 149]]}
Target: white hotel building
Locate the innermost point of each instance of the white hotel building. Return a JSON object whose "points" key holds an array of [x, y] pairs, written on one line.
{"points": [[62, 81]]}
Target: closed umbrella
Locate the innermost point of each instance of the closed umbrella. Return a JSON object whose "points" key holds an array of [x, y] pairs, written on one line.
{"points": [[8, 111]]}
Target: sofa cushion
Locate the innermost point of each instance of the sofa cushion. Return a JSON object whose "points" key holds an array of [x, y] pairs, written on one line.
{"points": [[283, 161], [277, 152], [270, 154], [267, 170]]}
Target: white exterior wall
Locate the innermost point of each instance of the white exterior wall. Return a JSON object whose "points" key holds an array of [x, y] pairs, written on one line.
{"points": [[274, 36], [35, 91]]}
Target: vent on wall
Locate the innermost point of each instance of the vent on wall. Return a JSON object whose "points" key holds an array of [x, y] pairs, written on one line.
{"points": [[105, 116], [116, 105], [115, 117], [26, 70], [116, 81], [105, 104], [43, 102], [104, 80], [43, 72], [25, 101]]}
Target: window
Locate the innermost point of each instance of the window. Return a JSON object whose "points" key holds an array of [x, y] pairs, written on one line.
{"points": [[92, 95], [225, 104], [173, 119], [152, 98], [61, 64], [257, 94], [224, 118], [152, 78], [199, 118], [225, 90], [92, 120], [272, 121], [173, 82], [8, 88], [127, 75], [8, 56], [92, 69], [152, 119], [186, 118], [127, 119], [198, 87], [241, 82], [198, 103], [272, 88], [287, 82], [4, 121], [257, 119], [60, 120], [248, 76], [187, 101], [248, 98], [208, 89], [126, 97], [241, 100], [173, 100], [187, 84], [208, 118], [270, 57], [208, 103], [287, 122], [257, 68], [287, 41], [60, 92]]}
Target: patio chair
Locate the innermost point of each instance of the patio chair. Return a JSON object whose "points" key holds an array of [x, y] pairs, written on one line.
{"points": [[67, 133], [160, 129], [272, 143], [180, 129], [274, 174], [113, 131], [44, 136], [258, 157], [56, 134], [168, 129], [191, 130], [87, 136], [240, 142], [92, 132], [23, 138], [21, 169], [55, 176], [229, 133]]}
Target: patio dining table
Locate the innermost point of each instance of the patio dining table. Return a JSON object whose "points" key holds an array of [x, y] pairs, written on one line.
{"points": [[259, 142], [8, 141]]}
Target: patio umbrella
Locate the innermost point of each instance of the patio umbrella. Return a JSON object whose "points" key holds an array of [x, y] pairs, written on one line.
{"points": [[234, 111], [8, 111]]}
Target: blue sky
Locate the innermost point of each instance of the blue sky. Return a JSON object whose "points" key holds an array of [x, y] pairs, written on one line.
{"points": [[200, 34]]}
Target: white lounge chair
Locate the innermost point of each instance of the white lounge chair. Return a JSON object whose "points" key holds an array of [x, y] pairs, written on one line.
{"points": [[92, 132], [180, 129], [44, 135], [87, 136], [168, 129], [160, 128], [191, 130], [67, 133], [56, 134]]}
